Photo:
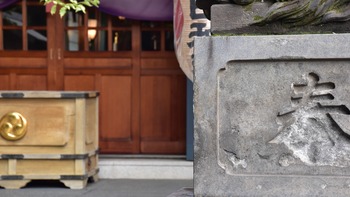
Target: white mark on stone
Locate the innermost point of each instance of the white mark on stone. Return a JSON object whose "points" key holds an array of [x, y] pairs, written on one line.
{"points": [[286, 160], [258, 187], [238, 162], [324, 186]]}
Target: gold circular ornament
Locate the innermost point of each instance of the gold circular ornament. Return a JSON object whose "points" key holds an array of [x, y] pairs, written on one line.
{"points": [[13, 126]]}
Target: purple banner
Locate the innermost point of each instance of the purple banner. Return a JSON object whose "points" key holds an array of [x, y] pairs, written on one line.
{"points": [[156, 10], [4, 3]]}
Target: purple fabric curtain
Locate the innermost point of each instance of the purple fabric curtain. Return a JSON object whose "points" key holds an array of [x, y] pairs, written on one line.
{"points": [[4, 3], [156, 10]]}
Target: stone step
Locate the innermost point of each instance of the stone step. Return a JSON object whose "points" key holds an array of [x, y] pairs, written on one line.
{"points": [[149, 167]]}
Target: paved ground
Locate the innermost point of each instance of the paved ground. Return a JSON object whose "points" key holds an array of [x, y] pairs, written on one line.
{"points": [[102, 188]]}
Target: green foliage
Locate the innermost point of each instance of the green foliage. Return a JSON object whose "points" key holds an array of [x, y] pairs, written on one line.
{"points": [[76, 5]]}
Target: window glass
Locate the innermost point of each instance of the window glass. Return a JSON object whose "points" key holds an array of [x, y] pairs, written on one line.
{"points": [[103, 20], [99, 42], [37, 39], [92, 33], [150, 40], [91, 13], [36, 16], [168, 25], [13, 40], [121, 40], [74, 19], [121, 21], [12, 16], [72, 40], [102, 40], [169, 40], [150, 24]]}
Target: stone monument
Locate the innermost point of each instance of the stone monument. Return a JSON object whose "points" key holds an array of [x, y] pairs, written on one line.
{"points": [[271, 99]]}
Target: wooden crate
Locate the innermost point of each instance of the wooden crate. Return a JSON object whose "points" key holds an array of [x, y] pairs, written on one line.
{"points": [[48, 135]]}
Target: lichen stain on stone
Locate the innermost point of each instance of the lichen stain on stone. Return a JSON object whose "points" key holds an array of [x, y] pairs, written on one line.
{"points": [[316, 128]]}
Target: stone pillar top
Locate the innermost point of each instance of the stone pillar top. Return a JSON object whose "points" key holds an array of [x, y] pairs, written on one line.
{"points": [[276, 17]]}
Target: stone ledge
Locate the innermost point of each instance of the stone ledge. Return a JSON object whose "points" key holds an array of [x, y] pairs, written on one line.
{"points": [[121, 168]]}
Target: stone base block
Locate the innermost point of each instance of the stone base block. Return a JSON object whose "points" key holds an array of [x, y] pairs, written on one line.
{"points": [[272, 116]]}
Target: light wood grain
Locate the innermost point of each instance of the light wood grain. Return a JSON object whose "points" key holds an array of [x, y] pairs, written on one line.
{"points": [[61, 141]]}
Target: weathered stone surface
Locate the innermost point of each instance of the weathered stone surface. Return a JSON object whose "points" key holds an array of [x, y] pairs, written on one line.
{"points": [[237, 19], [272, 115], [183, 192]]}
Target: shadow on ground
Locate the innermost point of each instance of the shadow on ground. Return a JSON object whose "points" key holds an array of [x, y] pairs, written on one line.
{"points": [[102, 188]]}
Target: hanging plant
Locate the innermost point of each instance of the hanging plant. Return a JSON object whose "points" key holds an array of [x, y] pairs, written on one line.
{"points": [[77, 6]]}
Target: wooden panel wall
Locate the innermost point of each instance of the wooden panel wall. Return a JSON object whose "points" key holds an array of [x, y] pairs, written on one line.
{"points": [[163, 106], [116, 108], [142, 93]]}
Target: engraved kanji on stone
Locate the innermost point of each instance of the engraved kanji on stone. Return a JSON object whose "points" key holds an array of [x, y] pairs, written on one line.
{"points": [[315, 126]]}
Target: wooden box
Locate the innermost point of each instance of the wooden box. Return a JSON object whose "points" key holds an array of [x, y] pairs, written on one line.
{"points": [[48, 135]]}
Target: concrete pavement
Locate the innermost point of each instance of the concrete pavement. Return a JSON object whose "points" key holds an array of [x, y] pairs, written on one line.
{"points": [[102, 188]]}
